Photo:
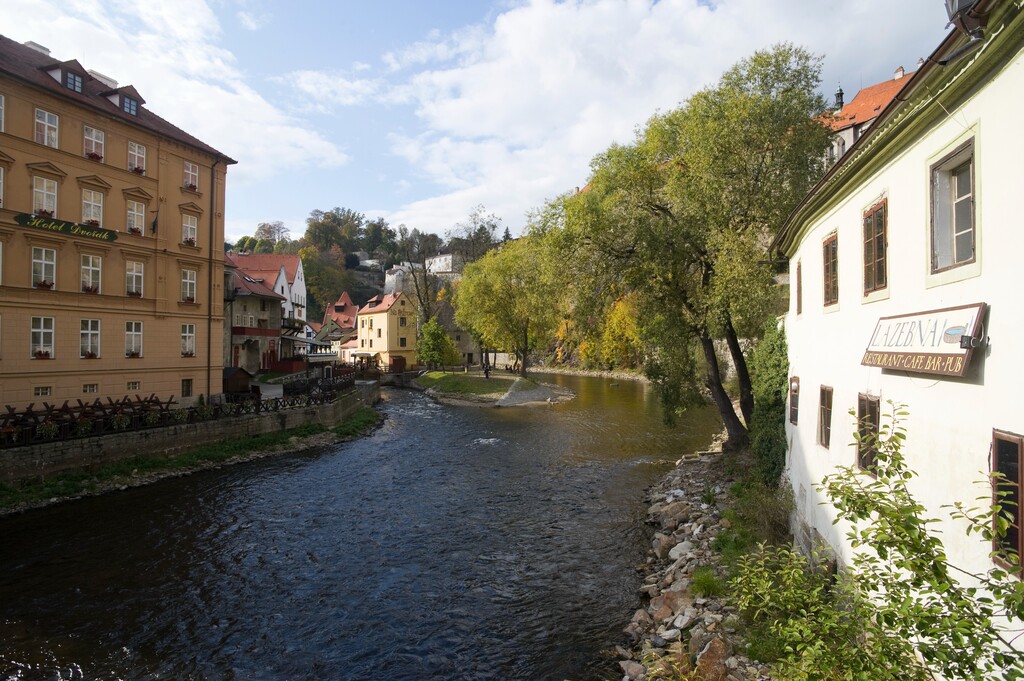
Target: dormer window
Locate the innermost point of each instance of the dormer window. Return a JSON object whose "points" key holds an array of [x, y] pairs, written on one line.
{"points": [[73, 81], [130, 105]]}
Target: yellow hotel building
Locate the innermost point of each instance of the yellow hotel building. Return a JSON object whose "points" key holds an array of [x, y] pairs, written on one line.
{"points": [[386, 332], [111, 241]]}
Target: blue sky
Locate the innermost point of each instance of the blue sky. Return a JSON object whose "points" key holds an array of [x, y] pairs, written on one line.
{"points": [[418, 111]]}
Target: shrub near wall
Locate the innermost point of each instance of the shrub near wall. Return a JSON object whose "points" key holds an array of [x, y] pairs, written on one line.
{"points": [[769, 368]]}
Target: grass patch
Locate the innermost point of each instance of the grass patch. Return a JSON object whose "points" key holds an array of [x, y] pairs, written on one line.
{"points": [[464, 384], [362, 421], [705, 583], [75, 483]]}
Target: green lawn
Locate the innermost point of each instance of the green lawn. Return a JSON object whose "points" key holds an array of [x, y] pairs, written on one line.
{"points": [[466, 384]]}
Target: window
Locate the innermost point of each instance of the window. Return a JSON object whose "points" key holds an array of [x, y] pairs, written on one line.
{"points": [[44, 196], [794, 399], [44, 267], [188, 340], [1, 113], [1, 184], [799, 287], [875, 235], [362, 323], [189, 229], [186, 387], [401, 321], [92, 207], [136, 217], [1006, 460], [191, 179], [94, 143], [46, 128], [188, 286], [130, 105], [91, 269], [91, 388], [89, 339], [136, 158], [378, 332], [825, 416], [830, 264], [401, 342], [867, 430], [952, 226], [73, 81], [133, 278], [371, 342], [42, 337], [133, 385], [133, 339], [42, 391]]}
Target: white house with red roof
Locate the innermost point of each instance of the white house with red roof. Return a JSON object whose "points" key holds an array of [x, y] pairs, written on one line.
{"points": [[851, 120]]}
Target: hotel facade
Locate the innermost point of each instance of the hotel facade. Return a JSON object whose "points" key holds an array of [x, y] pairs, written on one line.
{"points": [[111, 241]]}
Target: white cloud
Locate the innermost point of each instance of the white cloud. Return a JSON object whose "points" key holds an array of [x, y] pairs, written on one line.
{"points": [[332, 87]]}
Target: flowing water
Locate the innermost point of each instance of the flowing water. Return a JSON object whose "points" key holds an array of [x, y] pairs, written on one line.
{"points": [[454, 543]]}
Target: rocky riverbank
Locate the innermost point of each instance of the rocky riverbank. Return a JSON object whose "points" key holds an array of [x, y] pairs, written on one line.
{"points": [[521, 392], [682, 629]]}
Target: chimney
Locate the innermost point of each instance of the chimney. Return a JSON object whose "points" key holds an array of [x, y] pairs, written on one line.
{"points": [[920, 63], [106, 80], [839, 98], [898, 73], [37, 47]]}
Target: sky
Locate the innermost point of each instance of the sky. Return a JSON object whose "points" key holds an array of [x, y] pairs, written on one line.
{"points": [[418, 111]]}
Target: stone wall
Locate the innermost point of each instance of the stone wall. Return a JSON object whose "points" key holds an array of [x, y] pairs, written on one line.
{"points": [[39, 461]]}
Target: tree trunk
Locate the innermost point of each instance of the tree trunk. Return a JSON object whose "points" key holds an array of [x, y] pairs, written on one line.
{"points": [[736, 434], [526, 344], [742, 373]]}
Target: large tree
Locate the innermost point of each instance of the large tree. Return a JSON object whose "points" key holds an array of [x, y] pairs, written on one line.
{"points": [[509, 297], [682, 215], [414, 247], [272, 231], [470, 240]]}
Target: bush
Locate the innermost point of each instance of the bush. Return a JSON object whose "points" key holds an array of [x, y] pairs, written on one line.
{"points": [[706, 583], [769, 374]]}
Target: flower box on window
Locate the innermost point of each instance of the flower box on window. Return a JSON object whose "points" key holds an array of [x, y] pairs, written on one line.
{"points": [[135, 230], [90, 288], [191, 186], [41, 354], [93, 223], [134, 294], [186, 353], [44, 285], [93, 156], [138, 170], [188, 299], [132, 354], [43, 213], [189, 241], [89, 354]]}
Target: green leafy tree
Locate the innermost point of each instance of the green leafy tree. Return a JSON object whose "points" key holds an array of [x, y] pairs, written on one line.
{"points": [[682, 215], [435, 347], [769, 367], [471, 239], [509, 297], [414, 247]]}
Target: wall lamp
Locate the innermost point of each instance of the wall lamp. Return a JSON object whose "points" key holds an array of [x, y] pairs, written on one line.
{"points": [[970, 342]]}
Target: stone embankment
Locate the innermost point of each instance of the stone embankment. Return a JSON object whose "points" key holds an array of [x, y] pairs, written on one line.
{"points": [[679, 632]]}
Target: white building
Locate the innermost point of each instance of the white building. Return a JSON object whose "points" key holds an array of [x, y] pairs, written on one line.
{"points": [[908, 245]]}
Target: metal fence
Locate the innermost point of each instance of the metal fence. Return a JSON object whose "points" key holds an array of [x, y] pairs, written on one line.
{"points": [[87, 419]]}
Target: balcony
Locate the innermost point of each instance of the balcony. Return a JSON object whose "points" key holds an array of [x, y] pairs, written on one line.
{"points": [[292, 324]]}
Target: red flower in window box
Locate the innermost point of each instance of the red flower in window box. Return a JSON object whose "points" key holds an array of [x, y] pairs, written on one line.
{"points": [[191, 186], [138, 170], [186, 353], [93, 223], [93, 156], [44, 285], [90, 288], [189, 299], [43, 213], [189, 241], [89, 354], [135, 294], [132, 353], [42, 354], [135, 230]]}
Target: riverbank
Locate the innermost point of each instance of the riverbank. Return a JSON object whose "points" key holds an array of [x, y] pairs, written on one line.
{"points": [[687, 625], [140, 471], [477, 390], [569, 371]]}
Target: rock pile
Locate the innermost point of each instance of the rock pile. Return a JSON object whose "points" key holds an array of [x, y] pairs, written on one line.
{"points": [[679, 633]]}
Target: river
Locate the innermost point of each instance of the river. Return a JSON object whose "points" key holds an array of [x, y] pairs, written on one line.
{"points": [[453, 543]]}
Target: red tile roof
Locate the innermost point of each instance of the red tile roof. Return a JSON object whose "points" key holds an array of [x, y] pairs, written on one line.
{"points": [[30, 66], [868, 103], [267, 265], [380, 303], [343, 312]]}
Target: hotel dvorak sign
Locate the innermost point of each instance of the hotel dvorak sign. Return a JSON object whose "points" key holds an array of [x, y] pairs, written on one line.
{"points": [[926, 342]]}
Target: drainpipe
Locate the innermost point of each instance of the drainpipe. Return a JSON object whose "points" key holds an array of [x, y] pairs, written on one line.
{"points": [[209, 281]]}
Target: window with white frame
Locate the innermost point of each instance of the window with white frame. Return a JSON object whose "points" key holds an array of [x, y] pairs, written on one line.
{"points": [[42, 391], [188, 340], [188, 286], [133, 385], [136, 158], [952, 219], [136, 217], [44, 196], [91, 269], [134, 276], [46, 128], [42, 337], [89, 339], [44, 267], [91, 388], [92, 207], [191, 178], [189, 229], [133, 339], [93, 143]]}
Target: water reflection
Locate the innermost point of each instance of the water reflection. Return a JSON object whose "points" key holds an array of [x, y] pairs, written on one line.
{"points": [[456, 543]]}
